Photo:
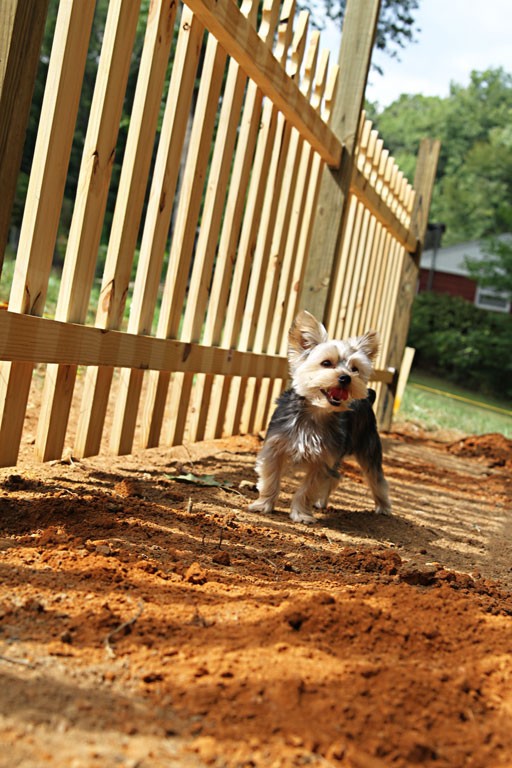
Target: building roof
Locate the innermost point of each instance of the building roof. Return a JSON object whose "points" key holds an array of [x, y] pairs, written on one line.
{"points": [[451, 259]]}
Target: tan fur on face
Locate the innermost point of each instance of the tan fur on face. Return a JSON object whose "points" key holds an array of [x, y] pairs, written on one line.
{"points": [[316, 363], [306, 332]]}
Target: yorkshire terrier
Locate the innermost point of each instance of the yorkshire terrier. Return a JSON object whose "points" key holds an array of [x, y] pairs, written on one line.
{"points": [[324, 416]]}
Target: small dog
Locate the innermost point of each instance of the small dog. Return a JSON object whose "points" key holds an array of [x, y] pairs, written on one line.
{"points": [[324, 416]]}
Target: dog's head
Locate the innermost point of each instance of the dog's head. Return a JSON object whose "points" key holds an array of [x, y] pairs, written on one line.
{"points": [[327, 372]]}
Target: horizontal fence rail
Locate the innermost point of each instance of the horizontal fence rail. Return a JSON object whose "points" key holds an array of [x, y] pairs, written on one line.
{"points": [[40, 340], [196, 197]]}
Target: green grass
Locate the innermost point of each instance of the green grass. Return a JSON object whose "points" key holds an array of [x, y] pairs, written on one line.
{"points": [[435, 411]]}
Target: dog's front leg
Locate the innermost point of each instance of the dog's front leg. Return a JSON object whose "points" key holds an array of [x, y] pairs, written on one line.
{"points": [[269, 467], [302, 501], [326, 484]]}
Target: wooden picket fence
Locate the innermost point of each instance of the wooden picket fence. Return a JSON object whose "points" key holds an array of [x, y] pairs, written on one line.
{"points": [[236, 225]]}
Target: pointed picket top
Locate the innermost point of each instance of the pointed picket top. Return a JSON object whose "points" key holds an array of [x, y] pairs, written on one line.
{"points": [[320, 81], [330, 93], [310, 64], [396, 190], [387, 184], [379, 183], [364, 140], [370, 152], [285, 31], [365, 128], [379, 148], [269, 20], [249, 8], [298, 46]]}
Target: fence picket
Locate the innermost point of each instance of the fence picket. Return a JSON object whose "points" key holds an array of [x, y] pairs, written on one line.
{"points": [[184, 235], [306, 231], [279, 255], [304, 207], [89, 210], [158, 219], [246, 289], [21, 32], [358, 288], [127, 215], [342, 261], [313, 86], [42, 208], [226, 273], [211, 219]]}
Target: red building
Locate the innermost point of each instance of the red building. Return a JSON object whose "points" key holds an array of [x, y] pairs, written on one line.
{"points": [[444, 271]]}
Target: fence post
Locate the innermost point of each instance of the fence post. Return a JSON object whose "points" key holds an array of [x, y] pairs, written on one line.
{"points": [[359, 28], [21, 33], [424, 178]]}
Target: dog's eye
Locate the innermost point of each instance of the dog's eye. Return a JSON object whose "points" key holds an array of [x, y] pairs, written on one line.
{"points": [[326, 364], [354, 369]]}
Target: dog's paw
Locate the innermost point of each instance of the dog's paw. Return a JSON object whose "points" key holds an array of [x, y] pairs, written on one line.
{"points": [[382, 509], [263, 506], [320, 504], [301, 516]]}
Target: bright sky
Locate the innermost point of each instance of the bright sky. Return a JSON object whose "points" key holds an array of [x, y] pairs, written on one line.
{"points": [[455, 37]]}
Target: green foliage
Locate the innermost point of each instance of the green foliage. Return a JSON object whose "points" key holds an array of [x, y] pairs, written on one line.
{"points": [[496, 271], [395, 28], [84, 110], [462, 343], [473, 190]]}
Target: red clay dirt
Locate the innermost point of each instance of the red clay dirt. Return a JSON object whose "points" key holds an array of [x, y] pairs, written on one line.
{"points": [[146, 621]]}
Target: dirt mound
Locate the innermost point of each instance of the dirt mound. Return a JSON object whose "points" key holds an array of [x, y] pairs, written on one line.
{"points": [[495, 449], [147, 621]]}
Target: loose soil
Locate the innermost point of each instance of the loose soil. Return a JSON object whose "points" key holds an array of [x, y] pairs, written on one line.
{"points": [[147, 621]]}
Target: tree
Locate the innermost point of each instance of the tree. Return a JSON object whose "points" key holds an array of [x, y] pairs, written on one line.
{"points": [[462, 343], [495, 271], [473, 191]]}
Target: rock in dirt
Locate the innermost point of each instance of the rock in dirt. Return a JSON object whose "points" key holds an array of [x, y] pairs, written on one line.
{"points": [[127, 488], [195, 574], [221, 558], [420, 576]]}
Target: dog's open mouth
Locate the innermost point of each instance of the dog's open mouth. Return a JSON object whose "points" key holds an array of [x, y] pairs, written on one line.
{"points": [[336, 395]]}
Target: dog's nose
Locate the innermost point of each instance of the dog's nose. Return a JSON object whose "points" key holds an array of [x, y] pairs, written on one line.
{"points": [[344, 380]]}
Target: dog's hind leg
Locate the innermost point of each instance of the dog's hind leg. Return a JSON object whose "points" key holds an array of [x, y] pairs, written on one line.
{"points": [[374, 476]]}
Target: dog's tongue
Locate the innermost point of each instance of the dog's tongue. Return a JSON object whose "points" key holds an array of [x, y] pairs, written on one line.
{"points": [[337, 393]]}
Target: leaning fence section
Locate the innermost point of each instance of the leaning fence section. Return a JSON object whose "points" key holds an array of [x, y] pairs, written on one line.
{"points": [[377, 240], [207, 249]]}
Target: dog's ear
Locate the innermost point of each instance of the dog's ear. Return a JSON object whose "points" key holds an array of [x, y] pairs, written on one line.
{"points": [[368, 343], [306, 332]]}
